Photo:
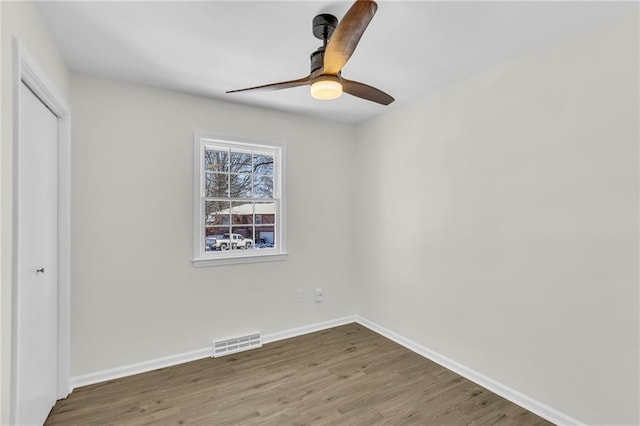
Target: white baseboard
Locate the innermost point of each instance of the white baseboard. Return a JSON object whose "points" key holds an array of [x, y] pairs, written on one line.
{"points": [[498, 388], [154, 364], [140, 367], [274, 337]]}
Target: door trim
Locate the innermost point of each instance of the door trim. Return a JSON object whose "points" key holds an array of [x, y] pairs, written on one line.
{"points": [[27, 70]]}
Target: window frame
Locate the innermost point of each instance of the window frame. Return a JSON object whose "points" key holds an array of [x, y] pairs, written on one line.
{"points": [[202, 258]]}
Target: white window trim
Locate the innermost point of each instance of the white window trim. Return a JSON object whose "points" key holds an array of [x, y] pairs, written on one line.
{"points": [[200, 257]]}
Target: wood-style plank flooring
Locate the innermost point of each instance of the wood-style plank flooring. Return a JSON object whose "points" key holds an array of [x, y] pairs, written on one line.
{"points": [[347, 375]]}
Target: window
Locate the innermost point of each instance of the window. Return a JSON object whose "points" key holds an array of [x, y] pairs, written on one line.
{"points": [[239, 201]]}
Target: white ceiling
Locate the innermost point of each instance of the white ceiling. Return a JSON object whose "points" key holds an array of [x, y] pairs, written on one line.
{"points": [[410, 49]]}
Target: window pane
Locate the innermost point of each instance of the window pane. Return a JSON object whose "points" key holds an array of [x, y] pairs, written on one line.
{"points": [[216, 185], [263, 165], [265, 213], [242, 238], [265, 237], [216, 213], [213, 237], [241, 212], [263, 187], [216, 161], [240, 162], [240, 186]]}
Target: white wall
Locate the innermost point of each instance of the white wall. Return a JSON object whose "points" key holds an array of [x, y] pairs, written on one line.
{"points": [[135, 294], [499, 223], [24, 21]]}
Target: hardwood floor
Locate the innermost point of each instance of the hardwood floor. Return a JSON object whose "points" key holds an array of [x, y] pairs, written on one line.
{"points": [[347, 375]]}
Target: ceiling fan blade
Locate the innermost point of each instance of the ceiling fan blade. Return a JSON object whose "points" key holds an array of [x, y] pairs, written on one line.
{"points": [[346, 36], [278, 86], [365, 91]]}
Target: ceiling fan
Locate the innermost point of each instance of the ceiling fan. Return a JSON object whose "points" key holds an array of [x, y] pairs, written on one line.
{"points": [[339, 43]]}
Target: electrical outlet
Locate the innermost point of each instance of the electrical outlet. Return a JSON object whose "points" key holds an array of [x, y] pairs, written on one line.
{"points": [[301, 295], [319, 294]]}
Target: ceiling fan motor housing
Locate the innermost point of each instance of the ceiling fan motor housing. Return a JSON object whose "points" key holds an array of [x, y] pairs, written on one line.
{"points": [[317, 59]]}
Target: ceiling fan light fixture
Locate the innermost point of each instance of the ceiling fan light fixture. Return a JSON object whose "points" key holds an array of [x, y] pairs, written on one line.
{"points": [[326, 88]]}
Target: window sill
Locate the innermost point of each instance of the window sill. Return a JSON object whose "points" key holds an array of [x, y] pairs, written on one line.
{"points": [[203, 262]]}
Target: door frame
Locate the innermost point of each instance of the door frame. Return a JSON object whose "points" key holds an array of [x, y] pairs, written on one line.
{"points": [[25, 69]]}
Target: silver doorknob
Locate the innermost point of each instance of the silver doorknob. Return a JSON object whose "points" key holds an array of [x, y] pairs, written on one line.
{"points": [[41, 270]]}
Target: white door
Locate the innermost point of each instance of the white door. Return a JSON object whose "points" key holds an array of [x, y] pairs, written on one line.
{"points": [[37, 280]]}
